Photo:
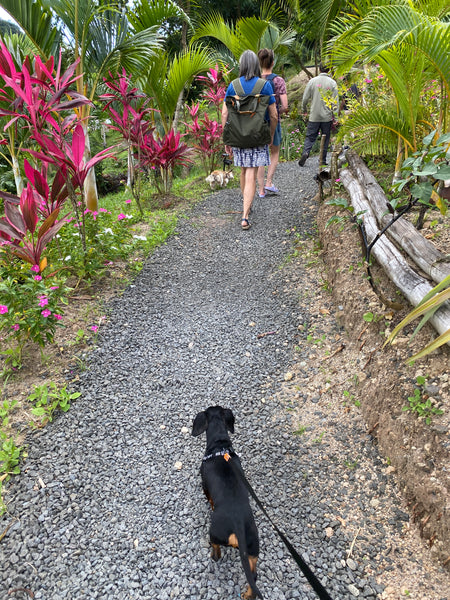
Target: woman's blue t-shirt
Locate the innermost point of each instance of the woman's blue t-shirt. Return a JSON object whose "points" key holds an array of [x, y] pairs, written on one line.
{"points": [[248, 85]]}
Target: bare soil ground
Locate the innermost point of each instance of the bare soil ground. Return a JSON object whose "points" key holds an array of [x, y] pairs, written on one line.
{"points": [[417, 453]]}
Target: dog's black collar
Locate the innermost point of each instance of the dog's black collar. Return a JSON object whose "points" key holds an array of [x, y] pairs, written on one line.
{"points": [[225, 452]]}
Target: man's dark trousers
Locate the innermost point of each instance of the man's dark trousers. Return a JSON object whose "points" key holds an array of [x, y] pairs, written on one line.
{"points": [[312, 131]]}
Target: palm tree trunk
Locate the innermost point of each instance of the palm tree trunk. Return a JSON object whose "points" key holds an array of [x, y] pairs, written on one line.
{"points": [[130, 169], [90, 183], [176, 117], [17, 175]]}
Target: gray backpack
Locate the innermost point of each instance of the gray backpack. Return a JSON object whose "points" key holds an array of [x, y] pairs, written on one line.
{"points": [[246, 125]]}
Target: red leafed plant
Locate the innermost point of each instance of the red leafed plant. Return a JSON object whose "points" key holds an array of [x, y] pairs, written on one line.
{"points": [[162, 155], [206, 135], [39, 99], [131, 122], [19, 227], [146, 150], [215, 87], [36, 95], [50, 198]]}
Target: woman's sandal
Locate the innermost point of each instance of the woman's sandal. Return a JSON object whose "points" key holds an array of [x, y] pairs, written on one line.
{"points": [[245, 224]]}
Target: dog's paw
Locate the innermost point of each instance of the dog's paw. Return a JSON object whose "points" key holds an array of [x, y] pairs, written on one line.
{"points": [[215, 553], [248, 594]]}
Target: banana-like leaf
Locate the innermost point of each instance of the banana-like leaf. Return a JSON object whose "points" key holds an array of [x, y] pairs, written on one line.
{"points": [[278, 40]]}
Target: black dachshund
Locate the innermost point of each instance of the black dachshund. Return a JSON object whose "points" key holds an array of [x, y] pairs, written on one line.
{"points": [[232, 522]]}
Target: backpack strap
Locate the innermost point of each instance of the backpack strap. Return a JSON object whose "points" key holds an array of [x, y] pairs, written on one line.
{"points": [[257, 88], [238, 89]]}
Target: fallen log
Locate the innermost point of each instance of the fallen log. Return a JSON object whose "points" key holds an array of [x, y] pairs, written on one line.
{"points": [[425, 255], [413, 286]]}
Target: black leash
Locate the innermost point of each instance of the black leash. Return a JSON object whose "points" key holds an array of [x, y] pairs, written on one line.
{"points": [[313, 580]]}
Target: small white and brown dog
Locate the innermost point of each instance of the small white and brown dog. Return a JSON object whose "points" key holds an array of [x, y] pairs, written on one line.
{"points": [[218, 179]]}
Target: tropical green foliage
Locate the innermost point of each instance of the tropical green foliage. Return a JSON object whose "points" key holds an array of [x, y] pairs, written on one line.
{"points": [[165, 79], [250, 33], [409, 45], [426, 170]]}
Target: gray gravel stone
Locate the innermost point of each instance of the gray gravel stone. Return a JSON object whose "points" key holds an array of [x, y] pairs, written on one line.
{"points": [[115, 519]]}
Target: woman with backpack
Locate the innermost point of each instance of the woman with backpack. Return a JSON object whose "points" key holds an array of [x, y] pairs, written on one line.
{"points": [[248, 158], [266, 60]]}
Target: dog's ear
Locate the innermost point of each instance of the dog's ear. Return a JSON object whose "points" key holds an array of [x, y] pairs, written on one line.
{"points": [[200, 424], [229, 419]]}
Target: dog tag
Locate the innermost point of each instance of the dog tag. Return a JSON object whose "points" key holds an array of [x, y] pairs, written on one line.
{"points": [[226, 456]]}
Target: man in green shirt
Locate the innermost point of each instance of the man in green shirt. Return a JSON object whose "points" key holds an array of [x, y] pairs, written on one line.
{"points": [[322, 93]]}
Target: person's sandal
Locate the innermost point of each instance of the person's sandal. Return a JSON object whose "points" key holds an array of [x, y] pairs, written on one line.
{"points": [[272, 189], [245, 224]]}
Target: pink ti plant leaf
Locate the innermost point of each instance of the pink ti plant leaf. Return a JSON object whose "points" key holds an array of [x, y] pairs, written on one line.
{"points": [[28, 206]]}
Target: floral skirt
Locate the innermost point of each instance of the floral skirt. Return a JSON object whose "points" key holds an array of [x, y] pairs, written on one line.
{"points": [[251, 157]]}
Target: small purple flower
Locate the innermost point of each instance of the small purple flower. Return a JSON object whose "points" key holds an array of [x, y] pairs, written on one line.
{"points": [[46, 312], [37, 278], [121, 216], [367, 80], [57, 317], [15, 327], [3, 309], [128, 201], [43, 301], [94, 328], [35, 268], [54, 287]]}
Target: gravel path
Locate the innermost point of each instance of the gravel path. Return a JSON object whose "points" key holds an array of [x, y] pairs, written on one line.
{"points": [[109, 503]]}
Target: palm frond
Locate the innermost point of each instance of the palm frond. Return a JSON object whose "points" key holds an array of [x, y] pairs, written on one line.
{"points": [[375, 130], [249, 32], [132, 54], [321, 14], [148, 13], [214, 26], [268, 11], [388, 26], [37, 22], [20, 46], [165, 80], [405, 73]]}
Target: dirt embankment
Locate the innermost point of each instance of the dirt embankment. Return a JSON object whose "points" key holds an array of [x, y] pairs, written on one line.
{"points": [[417, 452]]}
